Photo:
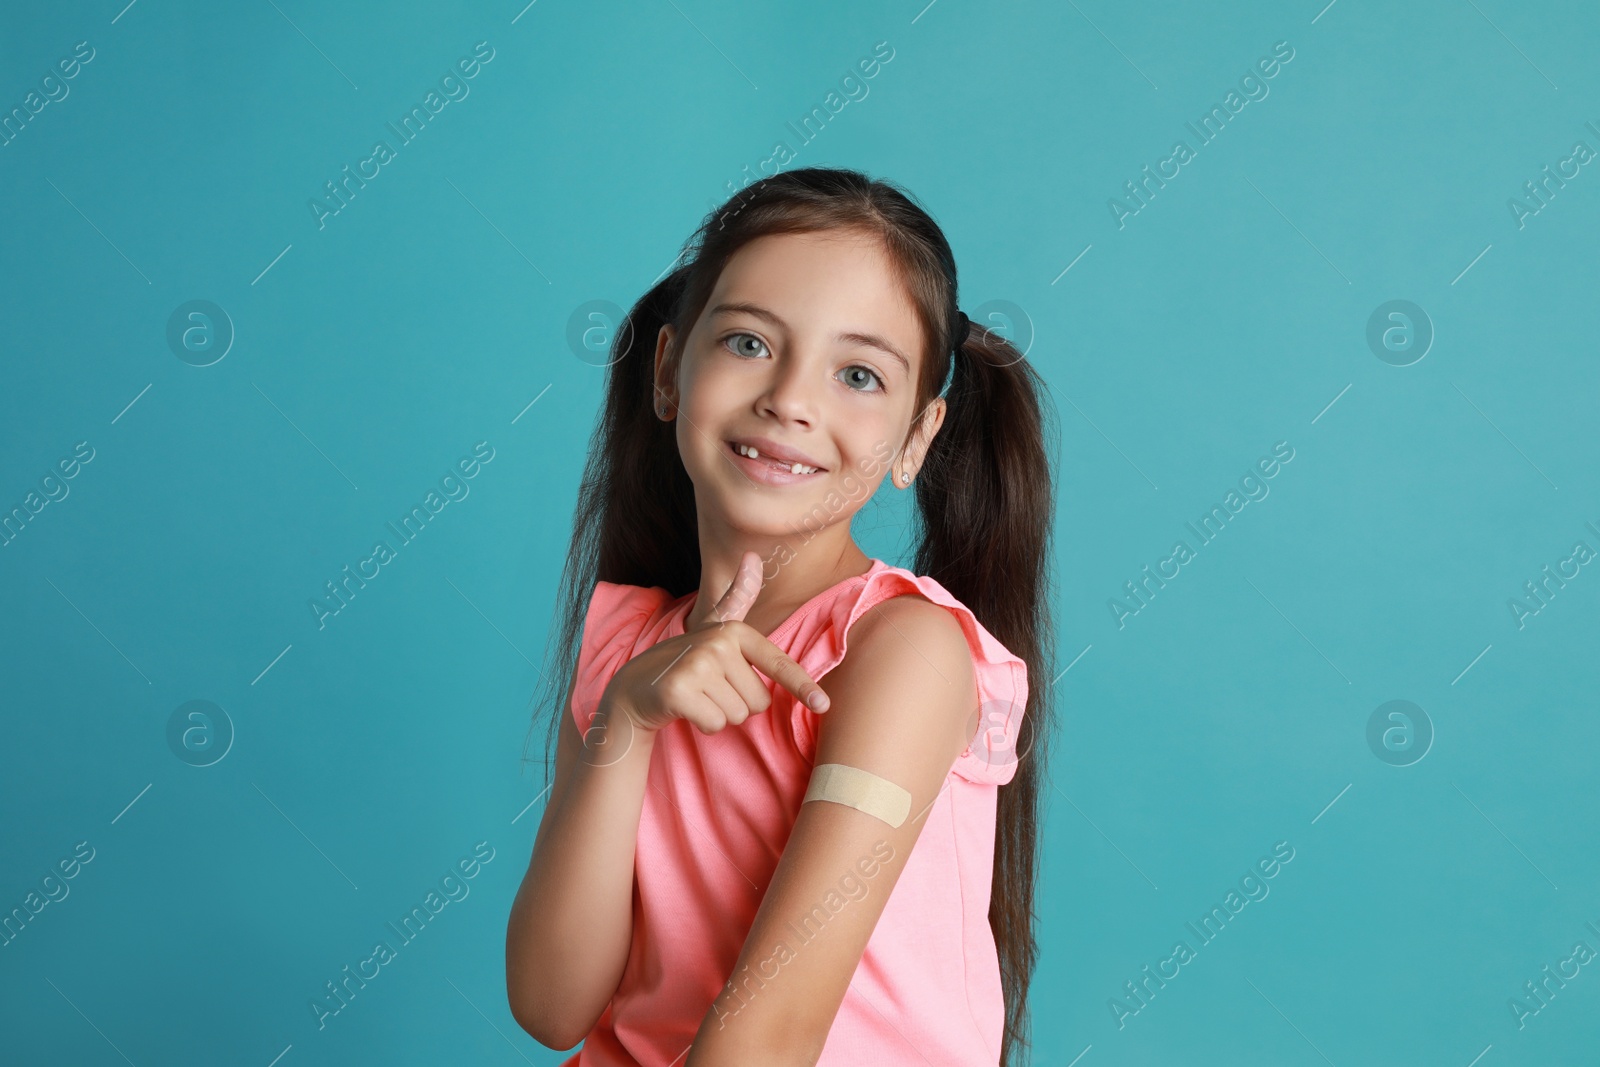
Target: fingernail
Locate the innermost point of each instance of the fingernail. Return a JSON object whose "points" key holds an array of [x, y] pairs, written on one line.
{"points": [[818, 701]]}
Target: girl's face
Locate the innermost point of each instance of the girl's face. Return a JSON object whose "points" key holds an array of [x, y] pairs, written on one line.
{"points": [[807, 351]]}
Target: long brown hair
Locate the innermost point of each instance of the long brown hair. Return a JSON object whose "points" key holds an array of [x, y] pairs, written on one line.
{"points": [[983, 494]]}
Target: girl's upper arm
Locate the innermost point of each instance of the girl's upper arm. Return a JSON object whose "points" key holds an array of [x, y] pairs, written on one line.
{"points": [[902, 706]]}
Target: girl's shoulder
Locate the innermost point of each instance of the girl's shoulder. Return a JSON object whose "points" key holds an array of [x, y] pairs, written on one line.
{"points": [[618, 618], [821, 642], [623, 619], [618, 612]]}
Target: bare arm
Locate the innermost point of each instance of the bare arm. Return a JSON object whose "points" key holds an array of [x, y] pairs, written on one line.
{"points": [[571, 924], [903, 704]]}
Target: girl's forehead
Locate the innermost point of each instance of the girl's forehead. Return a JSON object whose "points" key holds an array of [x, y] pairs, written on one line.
{"points": [[829, 252], [829, 280]]}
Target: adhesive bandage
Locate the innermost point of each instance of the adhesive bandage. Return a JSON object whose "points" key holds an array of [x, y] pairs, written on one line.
{"points": [[859, 789]]}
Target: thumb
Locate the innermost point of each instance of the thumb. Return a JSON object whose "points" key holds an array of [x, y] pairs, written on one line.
{"points": [[741, 594]]}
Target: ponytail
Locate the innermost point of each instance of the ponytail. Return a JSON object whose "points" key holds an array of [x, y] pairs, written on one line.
{"points": [[985, 509]]}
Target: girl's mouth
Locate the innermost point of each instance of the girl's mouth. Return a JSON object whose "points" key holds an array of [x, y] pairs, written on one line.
{"points": [[769, 471]]}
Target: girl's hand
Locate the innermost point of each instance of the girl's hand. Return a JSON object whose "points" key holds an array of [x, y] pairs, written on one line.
{"points": [[705, 674]]}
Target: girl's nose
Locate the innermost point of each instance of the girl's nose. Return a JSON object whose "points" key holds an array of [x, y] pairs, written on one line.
{"points": [[791, 395]]}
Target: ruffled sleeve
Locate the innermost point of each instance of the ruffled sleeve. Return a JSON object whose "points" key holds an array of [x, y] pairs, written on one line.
{"points": [[1002, 678], [611, 629]]}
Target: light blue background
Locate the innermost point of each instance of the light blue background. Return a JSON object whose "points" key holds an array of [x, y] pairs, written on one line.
{"points": [[1229, 314]]}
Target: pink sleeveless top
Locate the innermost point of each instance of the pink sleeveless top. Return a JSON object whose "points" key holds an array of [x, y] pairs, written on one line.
{"points": [[718, 810]]}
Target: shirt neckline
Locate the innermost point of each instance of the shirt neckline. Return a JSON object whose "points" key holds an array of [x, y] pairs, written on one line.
{"points": [[795, 616]]}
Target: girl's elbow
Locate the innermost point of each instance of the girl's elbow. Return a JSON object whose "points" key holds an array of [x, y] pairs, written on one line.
{"points": [[554, 1003], [546, 1028], [538, 1010]]}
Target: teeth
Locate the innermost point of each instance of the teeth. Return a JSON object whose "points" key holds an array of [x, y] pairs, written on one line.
{"points": [[794, 468]]}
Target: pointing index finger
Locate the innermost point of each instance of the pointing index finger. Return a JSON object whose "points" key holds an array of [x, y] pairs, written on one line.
{"points": [[775, 664]]}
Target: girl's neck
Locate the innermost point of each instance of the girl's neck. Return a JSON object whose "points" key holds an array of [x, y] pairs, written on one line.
{"points": [[820, 564]]}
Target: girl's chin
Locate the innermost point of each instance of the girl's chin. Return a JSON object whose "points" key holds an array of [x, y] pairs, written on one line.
{"points": [[759, 515]]}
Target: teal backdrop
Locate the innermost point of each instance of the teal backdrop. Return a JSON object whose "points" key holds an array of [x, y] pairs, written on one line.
{"points": [[1340, 346]]}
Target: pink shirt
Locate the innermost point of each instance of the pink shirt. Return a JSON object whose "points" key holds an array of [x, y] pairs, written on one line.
{"points": [[718, 810]]}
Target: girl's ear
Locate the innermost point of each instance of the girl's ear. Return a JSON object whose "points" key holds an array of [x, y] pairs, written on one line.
{"points": [[666, 393], [921, 439]]}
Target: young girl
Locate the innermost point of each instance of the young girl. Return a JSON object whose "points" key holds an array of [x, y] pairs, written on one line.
{"points": [[794, 813]]}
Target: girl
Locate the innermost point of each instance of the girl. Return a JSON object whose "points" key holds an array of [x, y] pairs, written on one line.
{"points": [[696, 893]]}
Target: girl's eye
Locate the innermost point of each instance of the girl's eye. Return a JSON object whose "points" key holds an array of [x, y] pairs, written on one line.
{"points": [[862, 374], [747, 336]]}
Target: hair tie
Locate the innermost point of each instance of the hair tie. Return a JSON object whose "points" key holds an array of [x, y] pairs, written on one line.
{"points": [[961, 329]]}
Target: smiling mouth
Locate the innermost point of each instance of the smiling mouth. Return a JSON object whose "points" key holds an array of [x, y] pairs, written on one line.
{"points": [[766, 464]]}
